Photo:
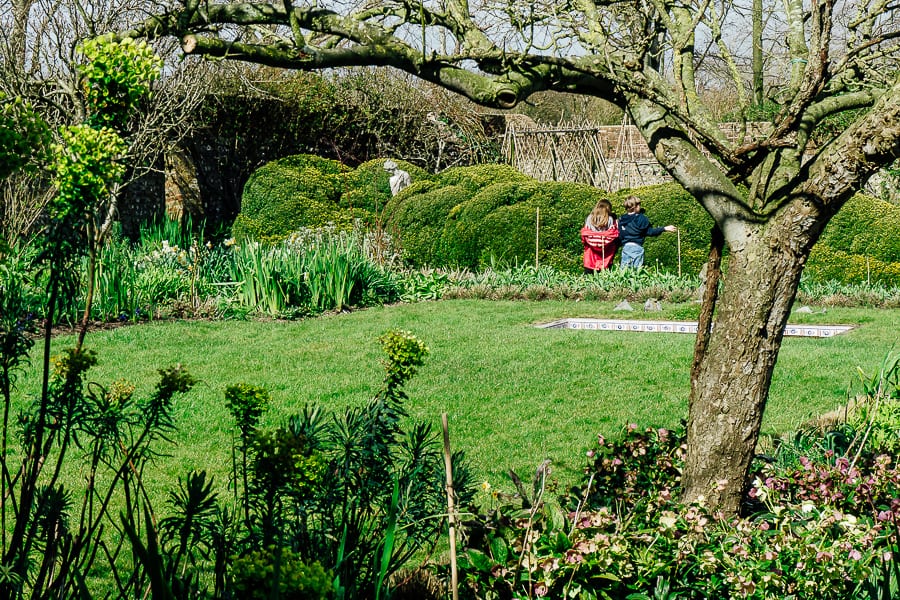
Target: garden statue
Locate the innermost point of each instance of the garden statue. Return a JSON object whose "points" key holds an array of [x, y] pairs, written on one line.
{"points": [[399, 178]]}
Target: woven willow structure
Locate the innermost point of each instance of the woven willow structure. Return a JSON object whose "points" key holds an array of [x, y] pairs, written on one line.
{"points": [[610, 157]]}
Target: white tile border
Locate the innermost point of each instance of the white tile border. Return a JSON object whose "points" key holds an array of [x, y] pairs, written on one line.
{"points": [[680, 327]]}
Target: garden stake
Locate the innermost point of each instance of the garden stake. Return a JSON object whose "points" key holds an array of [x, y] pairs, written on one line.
{"points": [[537, 235], [678, 232], [451, 514]]}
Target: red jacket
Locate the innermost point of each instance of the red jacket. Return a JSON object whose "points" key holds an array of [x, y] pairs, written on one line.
{"points": [[599, 247]]}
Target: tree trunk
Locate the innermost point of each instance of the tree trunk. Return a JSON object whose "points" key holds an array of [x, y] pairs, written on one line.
{"points": [[756, 14], [730, 388], [18, 50]]}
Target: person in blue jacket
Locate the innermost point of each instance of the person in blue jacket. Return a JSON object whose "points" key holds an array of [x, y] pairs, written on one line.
{"points": [[634, 227]]}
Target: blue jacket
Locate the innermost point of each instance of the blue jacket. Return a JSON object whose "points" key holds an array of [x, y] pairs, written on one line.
{"points": [[634, 227]]}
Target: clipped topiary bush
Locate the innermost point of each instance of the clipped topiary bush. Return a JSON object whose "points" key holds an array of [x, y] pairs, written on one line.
{"points": [[826, 264], [291, 193], [306, 191], [502, 221], [857, 246], [475, 178], [417, 217], [865, 226], [486, 214], [494, 219]]}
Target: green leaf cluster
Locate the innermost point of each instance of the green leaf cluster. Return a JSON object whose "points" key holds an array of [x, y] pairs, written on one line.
{"points": [[405, 353], [23, 136], [115, 76], [256, 576], [246, 403], [85, 166]]}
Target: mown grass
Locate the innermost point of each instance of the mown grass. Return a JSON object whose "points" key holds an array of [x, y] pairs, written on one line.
{"points": [[515, 394]]}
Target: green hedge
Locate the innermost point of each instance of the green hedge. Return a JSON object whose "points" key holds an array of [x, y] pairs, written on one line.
{"points": [[486, 214], [671, 204], [475, 216], [859, 244], [309, 191], [416, 218], [424, 216]]}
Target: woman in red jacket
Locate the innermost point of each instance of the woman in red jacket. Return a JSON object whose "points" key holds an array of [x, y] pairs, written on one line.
{"points": [[600, 237]]}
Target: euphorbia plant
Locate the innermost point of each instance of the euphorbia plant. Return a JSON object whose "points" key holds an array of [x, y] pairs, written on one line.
{"points": [[48, 541]]}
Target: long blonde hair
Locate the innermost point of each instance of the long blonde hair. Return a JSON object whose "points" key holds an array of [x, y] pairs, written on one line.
{"points": [[600, 215]]}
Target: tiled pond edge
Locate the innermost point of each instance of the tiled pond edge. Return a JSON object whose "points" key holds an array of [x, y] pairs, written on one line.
{"points": [[680, 327]]}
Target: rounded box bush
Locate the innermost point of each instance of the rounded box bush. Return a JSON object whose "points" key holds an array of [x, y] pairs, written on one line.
{"points": [[474, 178], [420, 215], [417, 217], [509, 222], [290, 193], [470, 231]]}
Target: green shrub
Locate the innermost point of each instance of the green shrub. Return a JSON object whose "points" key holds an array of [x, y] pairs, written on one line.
{"points": [[485, 214], [469, 216], [254, 576], [417, 218], [471, 231], [826, 264], [289, 194], [667, 204], [363, 491], [476, 177], [305, 191], [504, 219], [865, 226]]}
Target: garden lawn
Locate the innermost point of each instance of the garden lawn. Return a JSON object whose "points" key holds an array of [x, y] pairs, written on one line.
{"points": [[515, 394]]}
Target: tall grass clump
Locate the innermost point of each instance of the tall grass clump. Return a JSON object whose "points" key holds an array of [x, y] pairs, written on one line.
{"points": [[314, 270], [169, 265]]}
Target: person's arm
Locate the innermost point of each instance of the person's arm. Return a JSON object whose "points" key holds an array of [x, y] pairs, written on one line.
{"points": [[655, 231]]}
